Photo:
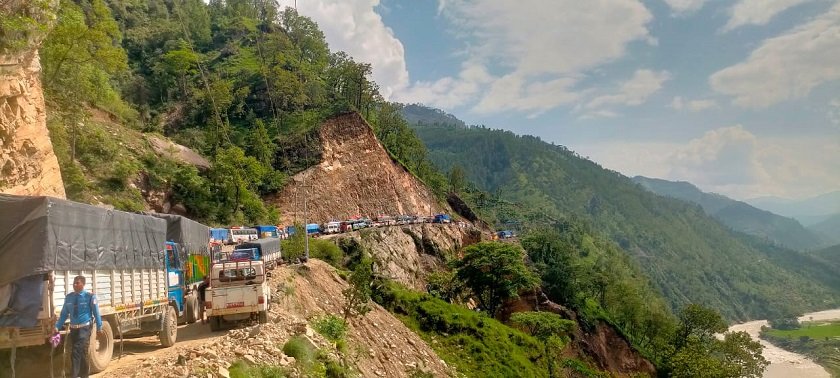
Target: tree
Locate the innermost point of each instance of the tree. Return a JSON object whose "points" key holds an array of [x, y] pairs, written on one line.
{"points": [[699, 353], [357, 295], [495, 272], [457, 178]]}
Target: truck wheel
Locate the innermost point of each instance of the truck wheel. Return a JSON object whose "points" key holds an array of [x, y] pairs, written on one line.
{"points": [[215, 323], [263, 317], [101, 348], [191, 308], [169, 330]]}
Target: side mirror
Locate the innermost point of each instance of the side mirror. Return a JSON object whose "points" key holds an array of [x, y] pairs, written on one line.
{"points": [[268, 274]]}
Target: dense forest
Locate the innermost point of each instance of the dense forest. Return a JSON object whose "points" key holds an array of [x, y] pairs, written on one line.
{"points": [[242, 82], [690, 257]]}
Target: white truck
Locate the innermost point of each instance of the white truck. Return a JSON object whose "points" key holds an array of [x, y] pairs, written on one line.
{"points": [[48, 241], [238, 291]]}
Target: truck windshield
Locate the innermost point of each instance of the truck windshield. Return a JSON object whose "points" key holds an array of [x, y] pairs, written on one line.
{"points": [[237, 274]]}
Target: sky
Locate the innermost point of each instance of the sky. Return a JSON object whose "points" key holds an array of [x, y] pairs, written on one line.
{"points": [[739, 97]]}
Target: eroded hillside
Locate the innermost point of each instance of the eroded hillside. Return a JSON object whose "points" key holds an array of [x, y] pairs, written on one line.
{"points": [[356, 177]]}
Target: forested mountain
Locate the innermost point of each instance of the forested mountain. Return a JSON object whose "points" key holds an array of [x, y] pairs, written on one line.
{"points": [[830, 254], [689, 256], [738, 215], [829, 228]]}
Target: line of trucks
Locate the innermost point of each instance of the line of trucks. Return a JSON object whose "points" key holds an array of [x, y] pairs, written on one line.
{"points": [[236, 235], [144, 270]]}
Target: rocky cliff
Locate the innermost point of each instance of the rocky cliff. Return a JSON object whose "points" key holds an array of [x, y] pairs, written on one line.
{"points": [[356, 177], [407, 254], [28, 165]]}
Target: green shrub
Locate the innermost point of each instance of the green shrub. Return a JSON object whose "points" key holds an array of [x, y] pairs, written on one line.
{"points": [[331, 327], [241, 369], [301, 349], [327, 251]]}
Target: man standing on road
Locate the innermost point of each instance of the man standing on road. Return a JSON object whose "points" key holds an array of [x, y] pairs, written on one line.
{"points": [[202, 290], [83, 310]]}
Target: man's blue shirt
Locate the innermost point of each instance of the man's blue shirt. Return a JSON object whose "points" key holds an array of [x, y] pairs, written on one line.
{"points": [[88, 308]]}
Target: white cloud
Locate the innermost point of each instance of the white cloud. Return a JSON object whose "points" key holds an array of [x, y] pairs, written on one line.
{"points": [[731, 161], [633, 92], [541, 48], [448, 92], [787, 66], [678, 103], [354, 27], [681, 7], [757, 12], [725, 156]]}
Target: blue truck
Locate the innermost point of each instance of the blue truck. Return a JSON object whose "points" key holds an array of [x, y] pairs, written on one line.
{"points": [[267, 231], [442, 218], [220, 235], [188, 261], [313, 229]]}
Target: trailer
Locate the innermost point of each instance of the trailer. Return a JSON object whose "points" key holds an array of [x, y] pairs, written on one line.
{"points": [[267, 249], [46, 242], [188, 254]]}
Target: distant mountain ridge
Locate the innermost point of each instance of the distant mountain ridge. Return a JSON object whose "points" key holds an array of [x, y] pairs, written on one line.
{"points": [[829, 229], [738, 215], [809, 211]]}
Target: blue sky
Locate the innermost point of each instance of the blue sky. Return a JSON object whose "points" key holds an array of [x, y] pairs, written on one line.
{"points": [[739, 97]]}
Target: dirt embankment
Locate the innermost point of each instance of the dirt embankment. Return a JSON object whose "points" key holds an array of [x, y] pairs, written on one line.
{"points": [[356, 177], [379, 344]]}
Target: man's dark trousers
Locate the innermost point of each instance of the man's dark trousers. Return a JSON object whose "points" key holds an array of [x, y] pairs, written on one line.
{"points": [[80, 338]]}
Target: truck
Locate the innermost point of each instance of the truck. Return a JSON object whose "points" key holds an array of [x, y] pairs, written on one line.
{"points": [[332, 227], [242, 234], [220, 235], [266, 232], [442, 218], [313, 229], [48, 241], [238, 291], [267, 250], [188, 254]]}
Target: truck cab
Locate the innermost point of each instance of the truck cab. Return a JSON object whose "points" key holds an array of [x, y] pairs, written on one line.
{"points": [[238, 291]]}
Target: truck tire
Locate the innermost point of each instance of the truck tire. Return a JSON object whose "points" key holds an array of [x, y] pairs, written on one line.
{"points": [[191, 308], [169, 329], [263, 317], [215, 323], [101, 348]]}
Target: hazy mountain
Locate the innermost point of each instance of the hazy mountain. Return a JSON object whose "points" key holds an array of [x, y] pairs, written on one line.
{"points": [[420, 114], [808, 211], [829, 229], [738, 215]]}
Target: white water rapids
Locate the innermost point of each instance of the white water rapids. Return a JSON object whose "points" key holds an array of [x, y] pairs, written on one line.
{"points": [[784, 364]]}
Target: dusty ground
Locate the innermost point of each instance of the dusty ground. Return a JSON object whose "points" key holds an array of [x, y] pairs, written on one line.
{"points": [[379, 343]]}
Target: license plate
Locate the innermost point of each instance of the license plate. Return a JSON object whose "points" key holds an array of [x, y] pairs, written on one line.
{"points": [[236, 304]]}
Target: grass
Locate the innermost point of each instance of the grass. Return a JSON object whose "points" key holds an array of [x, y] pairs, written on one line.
{"points": [[476, 345], [814, 330], [241, 369]]}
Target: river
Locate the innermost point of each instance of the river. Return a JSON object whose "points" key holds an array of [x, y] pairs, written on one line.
{"points": [[784, 364]]}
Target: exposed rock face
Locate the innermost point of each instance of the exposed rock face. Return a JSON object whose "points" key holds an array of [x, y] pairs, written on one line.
{"points": [[28, 165], [407, 254], [356, 177]]}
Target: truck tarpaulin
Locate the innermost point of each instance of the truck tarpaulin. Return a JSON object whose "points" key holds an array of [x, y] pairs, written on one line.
{"points": [[193, 237], [266, 246], [43, 234]]}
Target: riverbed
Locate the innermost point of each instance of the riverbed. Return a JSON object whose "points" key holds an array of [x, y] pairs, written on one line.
{"points": [[784, 364]]}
